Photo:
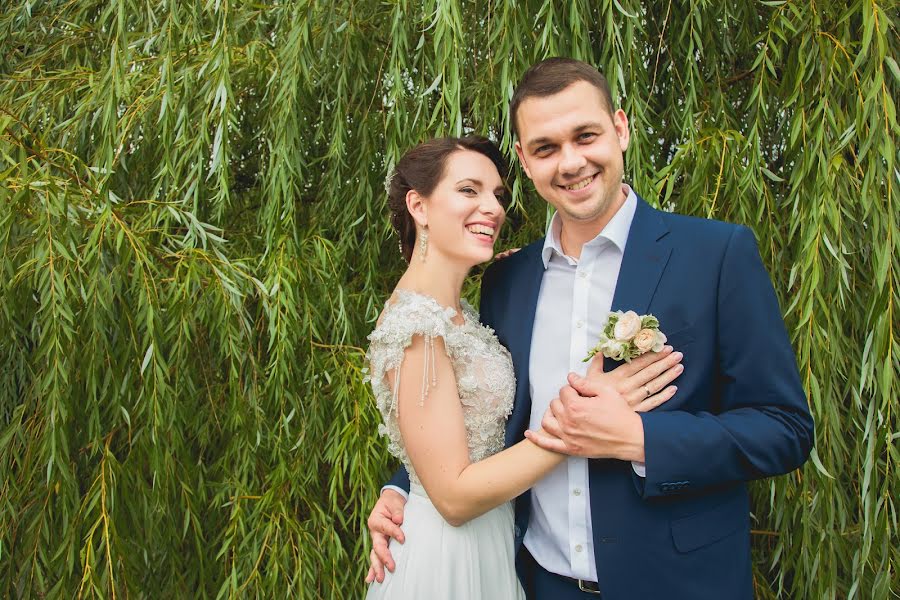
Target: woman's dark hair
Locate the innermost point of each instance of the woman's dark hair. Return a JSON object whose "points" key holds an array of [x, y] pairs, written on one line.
{"points": [[421, 169]]}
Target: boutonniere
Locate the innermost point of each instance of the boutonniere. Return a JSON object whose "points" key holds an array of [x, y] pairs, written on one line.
{"points": [[627, 335]]}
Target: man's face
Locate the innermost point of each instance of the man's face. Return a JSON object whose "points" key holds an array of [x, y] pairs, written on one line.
{"points": [[572, 148]]}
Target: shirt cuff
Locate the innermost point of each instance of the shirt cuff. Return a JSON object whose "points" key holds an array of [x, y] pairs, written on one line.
{"points": [[640, 469], [400, 491]]}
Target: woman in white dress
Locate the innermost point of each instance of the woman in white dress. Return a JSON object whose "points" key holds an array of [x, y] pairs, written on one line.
{"points": [[444, 385]]}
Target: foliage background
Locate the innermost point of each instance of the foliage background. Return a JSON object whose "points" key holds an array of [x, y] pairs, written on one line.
{"points": [[194, 244]]}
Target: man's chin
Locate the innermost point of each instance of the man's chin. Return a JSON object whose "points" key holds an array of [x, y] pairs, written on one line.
{"points": [[584, 214]]}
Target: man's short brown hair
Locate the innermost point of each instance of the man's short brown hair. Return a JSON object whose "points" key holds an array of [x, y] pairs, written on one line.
{"points": [[553, 75]]}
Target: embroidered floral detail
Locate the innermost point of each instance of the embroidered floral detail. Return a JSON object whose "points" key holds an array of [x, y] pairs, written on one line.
{"points": [[481, 365]]}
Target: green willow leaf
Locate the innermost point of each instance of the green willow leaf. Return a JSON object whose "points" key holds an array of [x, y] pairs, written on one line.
{"points": [[197, 188]]}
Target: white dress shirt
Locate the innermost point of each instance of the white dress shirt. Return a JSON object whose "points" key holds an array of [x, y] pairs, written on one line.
{"points": [[574, 301]]}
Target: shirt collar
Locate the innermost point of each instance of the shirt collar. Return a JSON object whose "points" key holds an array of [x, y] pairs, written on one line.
{"points": [[616, 231]]}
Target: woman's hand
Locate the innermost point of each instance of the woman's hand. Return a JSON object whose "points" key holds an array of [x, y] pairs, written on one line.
{"points": [[644, 382], [596, 416]]}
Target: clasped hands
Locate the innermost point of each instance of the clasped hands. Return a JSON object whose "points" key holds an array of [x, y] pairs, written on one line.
{"points": [[595, 416]]}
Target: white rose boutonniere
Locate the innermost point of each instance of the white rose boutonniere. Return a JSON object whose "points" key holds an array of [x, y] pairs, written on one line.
{"points": [[626, 326], [627, 335]]}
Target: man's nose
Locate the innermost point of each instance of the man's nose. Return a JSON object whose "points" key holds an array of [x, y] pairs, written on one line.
{"points": [[571, 161]]}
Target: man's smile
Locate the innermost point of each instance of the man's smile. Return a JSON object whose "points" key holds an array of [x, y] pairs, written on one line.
{"points": [[581, 184]]}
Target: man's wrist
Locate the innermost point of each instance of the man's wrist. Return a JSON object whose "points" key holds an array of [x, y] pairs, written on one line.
{"points": [[633, 442], [403, 493]]}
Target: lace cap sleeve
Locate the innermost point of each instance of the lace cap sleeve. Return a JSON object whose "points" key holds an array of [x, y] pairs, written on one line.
{"points": [[410, 315]]}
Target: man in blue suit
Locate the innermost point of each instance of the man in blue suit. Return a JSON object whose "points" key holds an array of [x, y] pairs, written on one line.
{"points": [[649, 505]]}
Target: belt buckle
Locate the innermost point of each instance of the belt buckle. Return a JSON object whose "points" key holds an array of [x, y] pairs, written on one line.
{"points": [[582, 585]]}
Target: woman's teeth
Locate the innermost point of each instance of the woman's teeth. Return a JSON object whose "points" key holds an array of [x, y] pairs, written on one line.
{"points": [[481, 229], [581, 184]]}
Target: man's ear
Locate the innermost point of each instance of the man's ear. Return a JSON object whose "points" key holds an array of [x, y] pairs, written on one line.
{"points": [[522, 160], [620, 121], [417, 207]]}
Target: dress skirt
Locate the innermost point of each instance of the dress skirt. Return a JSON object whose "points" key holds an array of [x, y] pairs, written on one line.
{"points": [[441, 562]]}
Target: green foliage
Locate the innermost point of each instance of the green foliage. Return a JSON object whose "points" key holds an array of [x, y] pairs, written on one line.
{"points": [[194, 245]]}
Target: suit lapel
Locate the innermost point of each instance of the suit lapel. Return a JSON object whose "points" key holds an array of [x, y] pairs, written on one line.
{"points": [[528, 286], [646, 254]]}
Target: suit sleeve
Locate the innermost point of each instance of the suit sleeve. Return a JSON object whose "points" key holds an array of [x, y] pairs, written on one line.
{"points": [[763, 426], [400, 479]]}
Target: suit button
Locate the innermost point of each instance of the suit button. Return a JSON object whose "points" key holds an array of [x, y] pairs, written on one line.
{"points": [[518, 531]]}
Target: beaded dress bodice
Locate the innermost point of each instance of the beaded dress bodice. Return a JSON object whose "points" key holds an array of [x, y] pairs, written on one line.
{"points": [[482, 366]]}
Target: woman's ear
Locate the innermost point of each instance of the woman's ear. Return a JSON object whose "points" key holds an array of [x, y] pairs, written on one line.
{"points": [[416, 204]]}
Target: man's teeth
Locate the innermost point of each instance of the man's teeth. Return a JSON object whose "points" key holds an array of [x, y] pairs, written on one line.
{"points": [[580, 185], [483, 229]]}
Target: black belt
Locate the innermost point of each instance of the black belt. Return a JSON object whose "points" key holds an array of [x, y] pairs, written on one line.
{"points": [[588, 587]]}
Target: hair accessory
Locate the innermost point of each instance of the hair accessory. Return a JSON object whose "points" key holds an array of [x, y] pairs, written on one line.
{"points": [[392, 170]]}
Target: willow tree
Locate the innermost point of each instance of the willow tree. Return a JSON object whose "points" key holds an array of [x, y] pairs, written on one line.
{"points": [[194, 245]]}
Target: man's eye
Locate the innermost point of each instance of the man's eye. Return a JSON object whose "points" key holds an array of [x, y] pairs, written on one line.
{"points": [[543, 150], [586, 137]]}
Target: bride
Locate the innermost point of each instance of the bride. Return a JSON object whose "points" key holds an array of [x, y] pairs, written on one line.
{"points": [[444, 385]]}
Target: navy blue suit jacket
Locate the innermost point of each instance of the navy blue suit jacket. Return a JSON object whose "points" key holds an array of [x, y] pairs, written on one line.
{"points": [[740, 412]]}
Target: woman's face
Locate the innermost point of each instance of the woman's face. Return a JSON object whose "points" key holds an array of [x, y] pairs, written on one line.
{"points": [[464, 213]]}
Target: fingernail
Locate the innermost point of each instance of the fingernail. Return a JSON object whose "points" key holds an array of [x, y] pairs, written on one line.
{"points": [[679, 368], [673, 389], [667, 349], [678, 355]]}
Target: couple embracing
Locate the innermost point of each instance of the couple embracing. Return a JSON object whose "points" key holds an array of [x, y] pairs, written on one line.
{"points": [[529, 473]]}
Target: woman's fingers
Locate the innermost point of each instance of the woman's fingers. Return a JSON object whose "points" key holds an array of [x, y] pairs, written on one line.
{"points": [[656, 399], [653, 371], [637, 392], [640, 363]]}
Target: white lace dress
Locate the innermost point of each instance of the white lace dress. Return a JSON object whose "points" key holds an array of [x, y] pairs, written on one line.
{"points": [[439, 561]]}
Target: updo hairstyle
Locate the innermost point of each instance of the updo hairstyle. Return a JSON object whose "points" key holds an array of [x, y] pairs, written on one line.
{"points": [[421, 169]]}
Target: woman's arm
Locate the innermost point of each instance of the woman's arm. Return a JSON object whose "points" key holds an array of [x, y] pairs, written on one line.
{"points": [[434, 435]]}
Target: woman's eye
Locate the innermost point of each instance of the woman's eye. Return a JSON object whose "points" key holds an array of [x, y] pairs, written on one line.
{"points": [[467, 190]]}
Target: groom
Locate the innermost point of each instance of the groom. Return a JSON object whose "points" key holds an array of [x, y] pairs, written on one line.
{"points": [[649, 505]]}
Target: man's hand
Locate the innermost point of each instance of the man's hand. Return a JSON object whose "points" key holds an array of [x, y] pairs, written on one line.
{"points": [[506, 253], [384, 523], [642, 382], [602, 425]]}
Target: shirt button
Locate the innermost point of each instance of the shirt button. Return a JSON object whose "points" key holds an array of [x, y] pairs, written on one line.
{"points": [[576, 492], [579, 324], [583, 275], [578, 548]]}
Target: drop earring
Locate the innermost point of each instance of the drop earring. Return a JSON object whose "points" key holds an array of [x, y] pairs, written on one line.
{"points": [[423, 242]]}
